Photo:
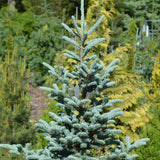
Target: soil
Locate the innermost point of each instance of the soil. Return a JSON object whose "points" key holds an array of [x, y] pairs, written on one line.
{"points": [[38, 103]]}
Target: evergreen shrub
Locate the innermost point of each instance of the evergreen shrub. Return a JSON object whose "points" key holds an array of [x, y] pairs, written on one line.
{"points": [[152, 129], [38, 38], [14, 102], [44, 43], [128, 87]]}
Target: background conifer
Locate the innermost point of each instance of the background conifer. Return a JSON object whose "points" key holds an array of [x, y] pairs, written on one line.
{"points": [[152, 129], [14, 102], [129, 88]]}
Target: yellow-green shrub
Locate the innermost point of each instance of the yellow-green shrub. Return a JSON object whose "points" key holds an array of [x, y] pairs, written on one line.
{"points": [[14, 100], [128, 88]]}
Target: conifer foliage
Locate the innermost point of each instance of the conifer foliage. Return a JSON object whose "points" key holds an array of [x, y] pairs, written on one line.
{"points": [[83, 128], [14, 101], [128, 87]]}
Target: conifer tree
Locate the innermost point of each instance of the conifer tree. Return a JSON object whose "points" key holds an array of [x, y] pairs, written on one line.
{"points": [[141, 10], [94, 11], [152, 129], [128, 87], [14, 101], [83, 128]]}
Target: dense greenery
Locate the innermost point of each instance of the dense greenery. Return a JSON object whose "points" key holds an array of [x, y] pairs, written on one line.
{"points": [[152, 129], [14, 102], [32, 30], [82, 130]]}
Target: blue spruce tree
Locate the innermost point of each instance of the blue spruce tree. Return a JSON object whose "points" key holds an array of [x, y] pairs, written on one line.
{"points": [[83, 129]]}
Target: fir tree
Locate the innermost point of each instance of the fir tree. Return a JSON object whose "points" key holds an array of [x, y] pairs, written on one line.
{"points": [[82, 129]]}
